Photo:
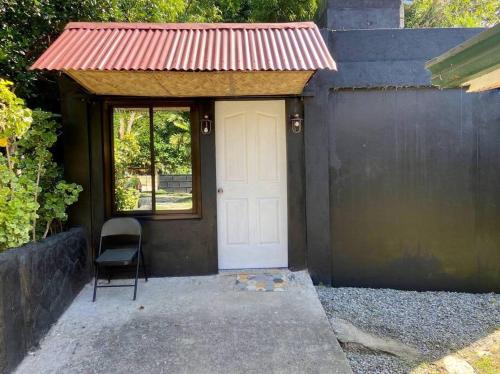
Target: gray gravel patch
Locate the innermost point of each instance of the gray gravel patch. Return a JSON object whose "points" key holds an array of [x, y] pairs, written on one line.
{"points": [[376, 363], [436, 323]]}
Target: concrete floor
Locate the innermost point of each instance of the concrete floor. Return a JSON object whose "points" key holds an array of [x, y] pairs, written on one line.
{"points": [[192, 325]]}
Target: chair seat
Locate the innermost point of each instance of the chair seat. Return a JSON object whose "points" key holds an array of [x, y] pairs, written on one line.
{"points": [[117, 257]]}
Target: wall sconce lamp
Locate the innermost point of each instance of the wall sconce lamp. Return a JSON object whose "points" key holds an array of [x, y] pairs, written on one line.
{"points": [[206, 125], [296, 123]]}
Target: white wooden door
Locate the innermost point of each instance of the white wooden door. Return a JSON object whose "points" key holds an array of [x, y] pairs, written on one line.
{"points": [[251, 182]]}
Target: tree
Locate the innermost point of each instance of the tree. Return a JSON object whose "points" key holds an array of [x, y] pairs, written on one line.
{"points": [[132, 147], [452, 13], [29, 203], [51, 193], [127, 151], [28, 27], [17, 206], [283, 10]]}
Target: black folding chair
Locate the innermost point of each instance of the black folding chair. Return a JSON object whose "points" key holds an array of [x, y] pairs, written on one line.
{"points": [[112, 255]]}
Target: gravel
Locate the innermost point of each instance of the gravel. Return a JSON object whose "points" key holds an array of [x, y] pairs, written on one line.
{"points": [[436, 323]]}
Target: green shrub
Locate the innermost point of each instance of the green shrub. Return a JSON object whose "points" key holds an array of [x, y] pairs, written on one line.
{"points": [[32, 193], [17, 207], [126, 198]]}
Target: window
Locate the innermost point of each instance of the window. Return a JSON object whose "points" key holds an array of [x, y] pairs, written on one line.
{"points": [[154, 153]]}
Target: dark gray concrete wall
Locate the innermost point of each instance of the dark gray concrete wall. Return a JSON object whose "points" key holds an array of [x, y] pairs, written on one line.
{"points": [[296, 191], [319, 253], [39, 281], [76, 148], [382, 58], [377, 60], [362, 14], [176, 183], [415, 189]]}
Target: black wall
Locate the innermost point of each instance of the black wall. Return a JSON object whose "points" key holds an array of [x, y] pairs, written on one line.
{"points": [[415, 189], [39, 281], [413, 172], [362, 14]]}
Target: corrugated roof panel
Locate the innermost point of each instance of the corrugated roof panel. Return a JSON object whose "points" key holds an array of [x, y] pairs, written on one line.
{"points": [[187, 47]]}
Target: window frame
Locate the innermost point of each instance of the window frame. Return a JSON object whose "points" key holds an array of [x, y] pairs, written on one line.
{"points": [[150, 105]]}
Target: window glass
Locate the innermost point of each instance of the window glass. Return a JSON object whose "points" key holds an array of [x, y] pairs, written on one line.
{"points": [[132, 160], [173, 161], [138, 144]]}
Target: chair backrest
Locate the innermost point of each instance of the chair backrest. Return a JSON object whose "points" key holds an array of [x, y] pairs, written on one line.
{"points": [[121, 226]]}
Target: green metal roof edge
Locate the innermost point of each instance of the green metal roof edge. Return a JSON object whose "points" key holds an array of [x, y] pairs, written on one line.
{"points": [[469, 60]]}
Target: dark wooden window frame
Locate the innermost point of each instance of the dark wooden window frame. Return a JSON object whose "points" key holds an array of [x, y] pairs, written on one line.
{"points": [[195, 212]]}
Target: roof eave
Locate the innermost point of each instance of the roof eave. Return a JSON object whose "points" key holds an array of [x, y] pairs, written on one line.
{"points": [[468, 61]]}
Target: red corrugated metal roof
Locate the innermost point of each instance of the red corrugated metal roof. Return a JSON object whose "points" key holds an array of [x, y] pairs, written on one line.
{"points": [[187, 47]]}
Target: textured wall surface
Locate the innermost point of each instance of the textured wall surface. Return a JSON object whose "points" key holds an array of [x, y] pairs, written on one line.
{"points": [[362, 14], [415, 189], [385, 58], [39, 281], [176, 183], [413, 171]]}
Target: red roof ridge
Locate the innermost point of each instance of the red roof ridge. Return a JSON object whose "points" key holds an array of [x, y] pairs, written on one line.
{"points": [[187, 26]]}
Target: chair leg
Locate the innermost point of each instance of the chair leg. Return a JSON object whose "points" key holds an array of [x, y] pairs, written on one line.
{"points": [[144, 267], [96, 276], [136, 277]]}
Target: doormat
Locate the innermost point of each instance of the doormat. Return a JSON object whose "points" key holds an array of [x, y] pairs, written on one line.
{"points": [[260, 282]]}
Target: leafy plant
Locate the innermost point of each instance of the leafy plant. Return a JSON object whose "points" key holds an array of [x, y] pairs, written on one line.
{"points": [[126, 198], [17, 207], [452, 13], [32, 191], [55, 202], [127, 152]]}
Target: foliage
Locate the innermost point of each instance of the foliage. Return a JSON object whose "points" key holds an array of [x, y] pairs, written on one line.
{"points": [[452, 13], [126, 197], [55, 202], [32, 193], [132, 149], [172, 142], [283, 10], [27, 27], [15, 119], [35, 161], [126, 151], [17, 207]]}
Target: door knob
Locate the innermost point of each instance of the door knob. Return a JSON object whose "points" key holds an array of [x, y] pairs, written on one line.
{"points": [[220, 190]]}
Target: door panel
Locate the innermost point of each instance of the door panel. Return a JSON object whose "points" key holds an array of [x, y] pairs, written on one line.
{"points": [[237, 221], [269, 221], [267, 152], [235, 144], [251, 182]]}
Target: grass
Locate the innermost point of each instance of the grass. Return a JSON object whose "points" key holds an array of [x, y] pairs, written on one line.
{"points": [[172, 200], [483, 355], [486, 365]]}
